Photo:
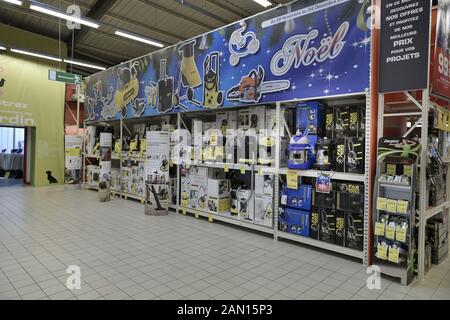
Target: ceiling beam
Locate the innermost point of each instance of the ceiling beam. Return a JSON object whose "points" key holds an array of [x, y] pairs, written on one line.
{"points": [[176, 14], [114, 56], [202, 11], [97, 11], [240, 14]]}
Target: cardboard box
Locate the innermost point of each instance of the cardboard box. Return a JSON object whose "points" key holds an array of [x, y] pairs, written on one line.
{"points": [[341, 122], [327, 230], [356, 121], [264, 185], [354, 231], [325, 200], [197, 139], [271, 126], [340, 228], [350, 197], [247, 146], [227, 121], [197, 198], [299, 199], [264, 211], [253, 118], [329, 123], [246, 199], [218, 205], [355, 155], [341, 153], [295, 222], [218, 187], [310, 118], [198, 176], [315, 223], [267, 150]]}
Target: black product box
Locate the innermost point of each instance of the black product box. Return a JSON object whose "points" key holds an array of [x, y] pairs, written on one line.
{"points": [[354, 230], [354, 159], [325, 200], [340, 152], [315, 223], [327, 230], [341, 122], [340, 227], [350, 197], [325, 155], [356, 121], [329, 123]]}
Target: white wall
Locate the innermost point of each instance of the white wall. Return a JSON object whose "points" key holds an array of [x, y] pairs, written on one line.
{"points": [[11, 138]]}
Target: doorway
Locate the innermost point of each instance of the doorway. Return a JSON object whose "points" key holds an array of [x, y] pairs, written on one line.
{"points": [[13, 156]]}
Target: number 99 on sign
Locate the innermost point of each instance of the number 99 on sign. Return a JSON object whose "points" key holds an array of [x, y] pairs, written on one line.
{"points": [[443, 65]]}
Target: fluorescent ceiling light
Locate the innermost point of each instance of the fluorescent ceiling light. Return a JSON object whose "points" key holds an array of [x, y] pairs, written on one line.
{"points": [[140, 39], [19, 3], [84, 64], [37, 55], [61, 15], [264, 3]]}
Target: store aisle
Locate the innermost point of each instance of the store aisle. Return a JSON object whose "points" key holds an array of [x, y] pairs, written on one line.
{"points": [[124, 254]]}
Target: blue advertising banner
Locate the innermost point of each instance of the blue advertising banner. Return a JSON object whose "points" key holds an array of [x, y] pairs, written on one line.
{"points": [[301, 50]]}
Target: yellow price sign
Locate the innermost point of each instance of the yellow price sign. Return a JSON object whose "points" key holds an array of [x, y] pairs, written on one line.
{"points": [[390, 232], [197, 216], [213, 138], [407, 170], [391, 169], [242, 170], [226, 168], [391, 206], [260, 171], [400, 234], [402, 206], [380, 229], [184, 212], [292, 179], [382, 252], [394, 254], [381, 203], [210, 218]]}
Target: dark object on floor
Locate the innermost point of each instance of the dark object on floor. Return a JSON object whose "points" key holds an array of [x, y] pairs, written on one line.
{"points": [[50, 178], [2, 82]]}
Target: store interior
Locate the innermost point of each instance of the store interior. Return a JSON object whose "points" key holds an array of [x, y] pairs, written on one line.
{"points": [[267, 157]]}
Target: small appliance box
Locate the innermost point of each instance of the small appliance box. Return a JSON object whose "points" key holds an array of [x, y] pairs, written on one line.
{"points": [[340, 228], [354, 231], [198, 176], [271, 121], [327, 230], [267, 149], [218, 205], [350, 197], [253, 118], [355, 152], [341, 122], [310, 118], [315, 223], [197, 198], [356, 121], [325, 200], [264, 210], [264, 185], [295, 222], [218, 187], [299, 199], [341, 153], [227, 121], [329, 123], [246, 199]]}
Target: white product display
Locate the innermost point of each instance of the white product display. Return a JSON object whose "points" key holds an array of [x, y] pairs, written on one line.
{"points": [[197, 197], [197, 139], [90, 139], [246, 205], [93, 175], [218, 187], [271, 126], [218, 205], [264, 185], [264, 210], [105, 156], [73, 145], [227, 121], [198, 176]]}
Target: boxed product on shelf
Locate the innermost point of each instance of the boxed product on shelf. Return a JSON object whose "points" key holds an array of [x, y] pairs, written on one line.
{"points": [[197, 139], [329, 123], [173, 190], [264, 210], [234, 202], [198, 176], [231, 146], [342, 121], [340, 228], [297, 198], [356, 121], [271, 127], [355, 154], [325, 154], [350, 197], [90, 139], [325, 200], [218, 187], [438, 233], [295, 222], [197, 198], [93, 175], [264, 184], [310, 118], [115, 180], [218, 205], [315, 223], [247, 146], [341, 153], [253, 118], [267, 149], [245, 199], [227, 121], [327, 229], [354, 230]]}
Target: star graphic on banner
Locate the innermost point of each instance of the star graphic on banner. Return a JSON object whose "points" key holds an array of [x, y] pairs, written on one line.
{"points": [[329, 77]]}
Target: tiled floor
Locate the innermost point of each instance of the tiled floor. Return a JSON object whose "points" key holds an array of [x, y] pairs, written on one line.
{"points": [[124, 254]]}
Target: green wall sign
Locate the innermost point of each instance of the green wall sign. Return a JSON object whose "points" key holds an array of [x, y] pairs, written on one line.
{"points": [[65, 77]]}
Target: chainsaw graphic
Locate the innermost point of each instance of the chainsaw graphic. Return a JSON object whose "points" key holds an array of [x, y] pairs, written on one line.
{"points": [[252, 87]]}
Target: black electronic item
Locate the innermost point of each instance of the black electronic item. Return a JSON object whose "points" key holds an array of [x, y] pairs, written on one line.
{"points": [[340, 228], [329, 123], [325, 159], [356, 119], [315, 223], [212, 96], [342, 120], [355, 155], [327, 225], [340, 153], [165, 89], [325, 200], [354, 231], [350, 197]]}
